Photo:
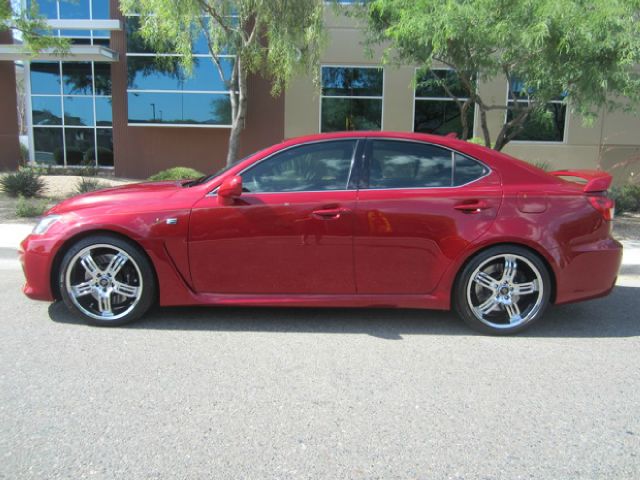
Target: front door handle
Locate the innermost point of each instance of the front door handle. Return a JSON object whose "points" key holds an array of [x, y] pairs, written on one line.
{"points": [[475, 206], [330, 213]]}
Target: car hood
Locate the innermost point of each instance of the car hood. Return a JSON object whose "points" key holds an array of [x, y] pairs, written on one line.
{"points": [[124, 198]]}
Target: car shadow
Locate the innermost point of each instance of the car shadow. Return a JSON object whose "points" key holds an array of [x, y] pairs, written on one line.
{"points": [[614, 316]]}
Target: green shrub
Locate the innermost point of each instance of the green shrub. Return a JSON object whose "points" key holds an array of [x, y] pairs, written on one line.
{"points": [[85, 185], [627, 198], [546, 166], [24, 154], [176, 173], [29, 207], [24, 182]]}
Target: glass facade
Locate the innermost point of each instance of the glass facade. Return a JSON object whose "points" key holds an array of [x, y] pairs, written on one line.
{"points": [[351, 98], [161, 92], [435, 111], [71, 115]]}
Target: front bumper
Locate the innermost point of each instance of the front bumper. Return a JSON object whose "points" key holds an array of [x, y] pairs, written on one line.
{"points": [[36, 255], [588, 271]]}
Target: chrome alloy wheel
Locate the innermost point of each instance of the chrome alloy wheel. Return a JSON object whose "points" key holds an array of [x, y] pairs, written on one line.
{"points": [[505, 291], [104, 282]]}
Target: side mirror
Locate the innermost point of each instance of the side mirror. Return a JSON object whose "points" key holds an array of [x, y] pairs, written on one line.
{"points": [[231, 188]]}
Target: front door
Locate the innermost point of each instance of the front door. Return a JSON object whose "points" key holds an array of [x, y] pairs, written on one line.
{"points": [[290, 232], [419, 206]]}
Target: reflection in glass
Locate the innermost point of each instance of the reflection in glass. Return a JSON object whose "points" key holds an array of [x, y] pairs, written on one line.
{"points": [[440, 117], [74, 9], [180, 108], [149, 73], [100, 9], [77, 78], [45, 78], [48, 145], [347, 81], [78, 111], [104, 115], [46, 8], [467, 170], [46, 110], [105, 147], [339, 114], [543, 125], [80, 145], [431, 84]]}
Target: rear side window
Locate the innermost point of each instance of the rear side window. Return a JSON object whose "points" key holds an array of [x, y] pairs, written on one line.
{"points": [[397, 164], [314, 167], [467, 170]]}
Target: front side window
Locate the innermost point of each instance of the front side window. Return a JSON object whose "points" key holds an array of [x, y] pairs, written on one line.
{"points": [[398, 164], [435, 111], [351, 98], [544, 124], [315, 167]]}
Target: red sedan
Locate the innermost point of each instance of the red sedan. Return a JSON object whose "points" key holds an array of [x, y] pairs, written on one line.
{"points": [[357, 219]]}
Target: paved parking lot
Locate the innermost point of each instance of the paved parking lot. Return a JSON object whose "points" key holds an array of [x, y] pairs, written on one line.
{"points": [[277, 393]]}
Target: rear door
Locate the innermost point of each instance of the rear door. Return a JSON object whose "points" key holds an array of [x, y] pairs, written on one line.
{"points": [[419, 206]]}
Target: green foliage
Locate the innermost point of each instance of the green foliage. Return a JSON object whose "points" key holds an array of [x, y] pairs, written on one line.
{"points": [[176, 173], [24, 154], [32, 27], [25, 182], [541, 164], [627, 198], [29, 207], [586, 50], [85, 185]]}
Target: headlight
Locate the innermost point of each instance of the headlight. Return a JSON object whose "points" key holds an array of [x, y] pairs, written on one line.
{"points": [[44, 224]]}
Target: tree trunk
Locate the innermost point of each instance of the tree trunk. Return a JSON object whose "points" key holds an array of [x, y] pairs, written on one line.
{"points": [[238, 109]]}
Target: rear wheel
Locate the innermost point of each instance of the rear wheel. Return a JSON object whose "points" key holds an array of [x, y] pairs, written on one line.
{"points": [[502, 290], [106, 280]]}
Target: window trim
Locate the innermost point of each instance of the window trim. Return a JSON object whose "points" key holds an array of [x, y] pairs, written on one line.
{"points": [[366, 164], [565, 130], [436, 99], [368, 97]]}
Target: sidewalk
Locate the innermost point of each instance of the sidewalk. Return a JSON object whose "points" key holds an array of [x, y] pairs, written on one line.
{"points": [[11, 234]]}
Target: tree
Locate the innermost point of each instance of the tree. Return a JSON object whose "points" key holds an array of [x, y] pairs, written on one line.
{"points": [[30, 27], [272, 37], [585, 51]]}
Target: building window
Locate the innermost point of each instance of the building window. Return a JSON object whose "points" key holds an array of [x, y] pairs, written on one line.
{"points": [[351, 98], [71, 113], [76, 10], [545, 124], [161, 92], [436, 112]]}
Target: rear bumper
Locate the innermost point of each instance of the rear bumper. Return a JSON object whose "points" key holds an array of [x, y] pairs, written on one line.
{"points": [[588, 271], [35, 254]]}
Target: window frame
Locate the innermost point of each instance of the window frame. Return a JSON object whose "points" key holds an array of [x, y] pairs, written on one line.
{"points": [[178, 92], [363, 181], [436, 99], [364, 97], [565, 130]]}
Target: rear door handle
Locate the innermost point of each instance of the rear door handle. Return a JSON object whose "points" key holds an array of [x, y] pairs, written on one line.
{"points": [[474, 206], [330, 213]]}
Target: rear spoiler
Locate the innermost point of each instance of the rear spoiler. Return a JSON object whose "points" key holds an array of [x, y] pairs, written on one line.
{"points": [[596, 180]]}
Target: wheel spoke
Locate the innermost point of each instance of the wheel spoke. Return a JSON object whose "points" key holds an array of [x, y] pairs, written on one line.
{"points": [[125, 289], [525, 288], [104, 304], [89, 264], [487, 281], [116, 263], [487, 306], [513, 311], [510, 268], [82, 289]]}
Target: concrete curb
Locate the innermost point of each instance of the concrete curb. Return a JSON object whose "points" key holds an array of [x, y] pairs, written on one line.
{"points": [[11, 234]]}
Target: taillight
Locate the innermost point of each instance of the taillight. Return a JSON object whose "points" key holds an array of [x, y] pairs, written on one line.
{"points": [[603, 204]]}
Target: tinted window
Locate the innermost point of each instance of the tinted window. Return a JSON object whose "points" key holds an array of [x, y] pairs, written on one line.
{"points": [[396, 164], [467, 170], [315, 167]]}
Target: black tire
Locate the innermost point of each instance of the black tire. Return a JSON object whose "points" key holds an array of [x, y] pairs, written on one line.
{"points": [[490, 302], [124, 286]]}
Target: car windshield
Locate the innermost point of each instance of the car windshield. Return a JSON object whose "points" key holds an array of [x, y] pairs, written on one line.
{"points": [[206, 178]]}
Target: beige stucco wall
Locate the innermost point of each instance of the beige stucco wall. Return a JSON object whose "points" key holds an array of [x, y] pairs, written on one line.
{"points": [[612, 141]]}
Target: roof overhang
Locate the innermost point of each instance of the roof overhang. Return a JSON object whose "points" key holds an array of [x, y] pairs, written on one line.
{"points": [[77, 24], [75, 53]]}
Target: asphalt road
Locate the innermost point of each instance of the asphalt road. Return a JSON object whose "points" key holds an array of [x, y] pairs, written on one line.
{"points": [[326, 394]]}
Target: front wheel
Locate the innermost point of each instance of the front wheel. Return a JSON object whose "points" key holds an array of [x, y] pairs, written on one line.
{"points": [[106, 280], [502, 290]]}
